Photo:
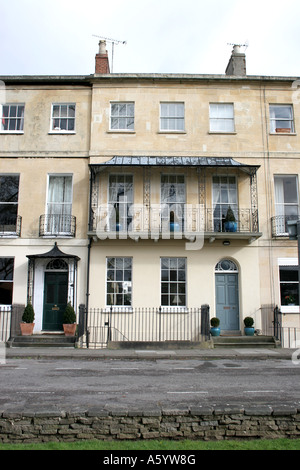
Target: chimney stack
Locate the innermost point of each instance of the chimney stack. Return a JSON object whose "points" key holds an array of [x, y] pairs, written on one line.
{"points": [[237, 62], [102, 62]]}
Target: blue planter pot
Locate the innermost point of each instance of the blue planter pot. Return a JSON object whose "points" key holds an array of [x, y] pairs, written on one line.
{"points": [[230, 226], [249, 331], [174, 227], [215, 331]]}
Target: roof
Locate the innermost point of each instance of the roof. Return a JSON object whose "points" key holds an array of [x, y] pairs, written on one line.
{"points": [[55, 252], [93, 79]]}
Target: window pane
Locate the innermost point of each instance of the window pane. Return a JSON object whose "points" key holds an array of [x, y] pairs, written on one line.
{"points": [[281, 117], [6, 291], [9, 188], [6, 269], [221, 117], [173, 275], [119, 293]]}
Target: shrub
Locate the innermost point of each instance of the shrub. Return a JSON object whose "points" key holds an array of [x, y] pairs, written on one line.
{"points": [[248, 322], [69, 315], [214, 322], [230, 217], [28, 315]]}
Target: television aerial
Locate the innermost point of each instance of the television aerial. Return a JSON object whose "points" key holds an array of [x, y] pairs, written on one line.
{"points": [[113, 42]]}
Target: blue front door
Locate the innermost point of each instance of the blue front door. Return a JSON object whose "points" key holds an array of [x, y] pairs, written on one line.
{"points": [[227, 300]]}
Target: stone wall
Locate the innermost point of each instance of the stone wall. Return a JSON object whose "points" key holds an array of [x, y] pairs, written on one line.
{"points": [[202, 423]]}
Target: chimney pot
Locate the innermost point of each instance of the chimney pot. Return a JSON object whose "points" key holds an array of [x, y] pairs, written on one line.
{"points": [[102, 47]]}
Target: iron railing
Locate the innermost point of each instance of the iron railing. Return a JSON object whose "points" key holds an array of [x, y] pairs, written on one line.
{"points": [[151, 221], [119, 324], [5, 323], [280, 225], [290, 337], [57, 225], [10, 226], [216, 221]]}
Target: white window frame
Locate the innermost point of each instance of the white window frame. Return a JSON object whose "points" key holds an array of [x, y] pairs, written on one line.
{"points": [[172, 117], [281, 263], [59, 130], [216, 114], [11, 204], [10, 281], [219, 207], [48, 212], [178, 199], [127, 117], [273, 120], [17, 118], [172, 306], [281, 206], [123, 206], [116, 281]]}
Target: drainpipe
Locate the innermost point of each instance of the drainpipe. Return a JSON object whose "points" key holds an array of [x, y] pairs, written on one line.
{"points": [[88, 292]]}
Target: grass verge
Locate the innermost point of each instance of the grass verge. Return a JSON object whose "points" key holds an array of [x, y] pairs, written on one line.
{"points": [[184, 445]]}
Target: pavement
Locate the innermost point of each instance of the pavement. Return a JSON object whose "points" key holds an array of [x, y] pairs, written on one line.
{"points": [[152, 354]]}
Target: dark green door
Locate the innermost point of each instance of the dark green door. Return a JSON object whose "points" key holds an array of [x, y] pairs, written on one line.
{"points": [[55, 300]]}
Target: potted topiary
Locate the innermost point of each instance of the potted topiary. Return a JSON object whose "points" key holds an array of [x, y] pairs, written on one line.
{"points": [[27, 323], [69, 321], [249, 328], [230, 221], [214, 323]]}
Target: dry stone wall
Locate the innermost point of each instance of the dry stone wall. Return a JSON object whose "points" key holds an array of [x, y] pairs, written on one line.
{"points": [[203, 423]]}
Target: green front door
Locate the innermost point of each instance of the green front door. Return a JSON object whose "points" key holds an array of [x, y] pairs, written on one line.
{"points": [[55, 300]]}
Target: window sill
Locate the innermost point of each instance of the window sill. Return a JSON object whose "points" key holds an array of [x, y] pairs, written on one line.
{"points": [[9, 235], [118, 309], [12, 132], [171, 132], [283, 133], [222, 132], [289, 309], [120, 131], [61, 132], [173, 309]]}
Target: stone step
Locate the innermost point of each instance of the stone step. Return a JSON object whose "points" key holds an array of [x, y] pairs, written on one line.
{"points": [[224, 341], [43, 340]]}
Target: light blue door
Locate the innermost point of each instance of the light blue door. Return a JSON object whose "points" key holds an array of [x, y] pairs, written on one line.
{"points": [[227, 300]]}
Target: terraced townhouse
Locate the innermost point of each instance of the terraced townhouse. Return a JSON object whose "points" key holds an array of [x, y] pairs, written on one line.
{"points": [[150, 193]]}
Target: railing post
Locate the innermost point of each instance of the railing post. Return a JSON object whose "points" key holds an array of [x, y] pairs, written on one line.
{"points": [[277, 323], [82, 324], [205, 321]]}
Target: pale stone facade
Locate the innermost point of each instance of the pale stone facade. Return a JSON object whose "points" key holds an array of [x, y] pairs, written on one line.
{"points": [[196, 144]]}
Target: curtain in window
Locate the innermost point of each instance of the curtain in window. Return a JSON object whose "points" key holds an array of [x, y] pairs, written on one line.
{"points": [[224, 196], [173, 198], [120, 200], [59, 206], [60, 195]]}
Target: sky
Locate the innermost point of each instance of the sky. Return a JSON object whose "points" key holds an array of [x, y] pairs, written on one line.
{"points": [[57, 37]]}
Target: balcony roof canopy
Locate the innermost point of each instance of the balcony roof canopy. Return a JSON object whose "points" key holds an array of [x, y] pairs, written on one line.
{"points": [[197, 162]]}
